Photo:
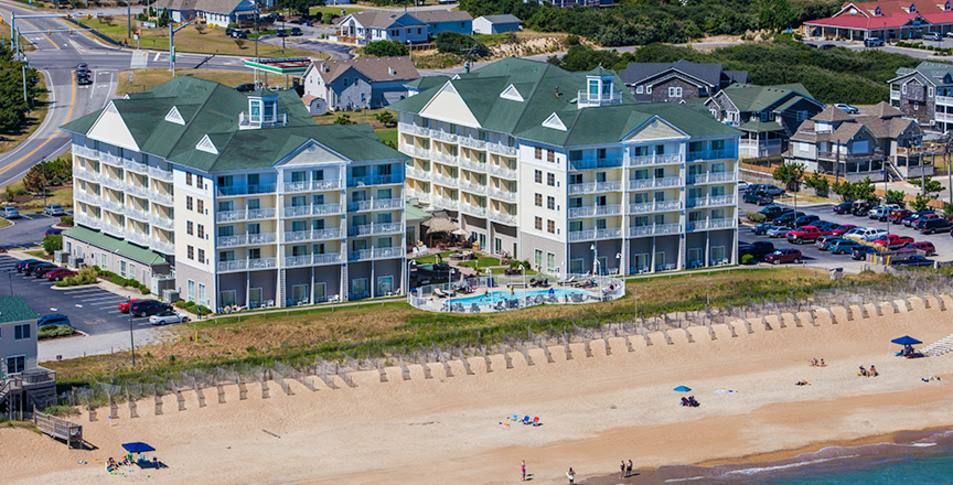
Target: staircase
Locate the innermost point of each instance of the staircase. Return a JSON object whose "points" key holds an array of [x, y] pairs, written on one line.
{"points": [[892, 172], [7, 386], [940, 347]]}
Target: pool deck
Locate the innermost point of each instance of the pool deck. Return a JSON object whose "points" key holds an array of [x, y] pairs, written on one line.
{"points": [[562, 295]]}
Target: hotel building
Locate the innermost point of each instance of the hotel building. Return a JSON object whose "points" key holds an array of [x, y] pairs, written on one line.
{"points": [[566, 171], [232, 198]]}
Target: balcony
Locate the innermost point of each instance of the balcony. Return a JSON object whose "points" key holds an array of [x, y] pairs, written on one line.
{"points": [[110, 159], [502, 149], [375, 180], [653, 183], [160, 174], [137, 213], [471, 209], [112, 206], [506, 195], [473, 166], [711, 178], [472, 187], [162, 246], [471, 142], [503, 172], [445, 180], [654, 230], [313, 186], [595, 187], [314, 209], [312, 260], [413, 129], [376, 228], [722, 223], [376, 253], [87, 198], [135, 166], [88, 221], [444, 158], [415, 151], [419, 195], [445, 202], [417, 173], [585, 98], [245, 240], [244, 215], [648, 160], [138, 238], [114, 229], [313, 235], [614, 161], [161, 222], [161, 198], [712, 201], [503, 217], [723, 154], [944, 100], [85, 152], [107, 180], [595, 210], [593, 234], [443, 136], [138, 190], [87, 174], [246, 265], [237, 191], [375, 204]]}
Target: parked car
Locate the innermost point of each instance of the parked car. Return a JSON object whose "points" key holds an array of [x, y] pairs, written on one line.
{"points": [[804, 235], [759, 198], [147, 308], [881, 211], [843, 246], [897, 215], [84, 78], [772, 211], [841, 229], [54, 210], [914, 217], [860, 252], [892, 241], [59, 274], [933, 36], [742, 186], [865, 233], [777, 231], [913, 261], [844, 207], [41, 270], [166, 317], [874, 42], [124, 306], [22, 264], [9, 212], [934, 225], [926, 246], [245, 87], [851, 110], [805, 220], [784, 255], [53, 231], [33, 267], [860, 208], [53, 319], [872, 234], [918, 224], [281, 33], [824, 243], [761, 229], [758, 249], [296, 32], [788, 218]]}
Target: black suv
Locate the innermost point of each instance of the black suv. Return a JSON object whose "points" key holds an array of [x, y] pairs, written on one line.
{"points": [[933, 226], [147, 308]]}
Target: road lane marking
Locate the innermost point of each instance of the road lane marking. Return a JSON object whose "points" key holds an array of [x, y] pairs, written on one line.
{"points": [[156, 59]]}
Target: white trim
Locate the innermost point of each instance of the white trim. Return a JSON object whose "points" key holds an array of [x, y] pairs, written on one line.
{"points": [[553, 122], [512, 94], [206, 145], [173, 116]]}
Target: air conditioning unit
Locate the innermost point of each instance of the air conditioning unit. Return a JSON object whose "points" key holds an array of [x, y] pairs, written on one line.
{"points": [[170, 295], [74, 262], [61, 257]]}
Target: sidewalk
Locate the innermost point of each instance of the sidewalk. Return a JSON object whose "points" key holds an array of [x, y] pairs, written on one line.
{"points": [[81, 346]]}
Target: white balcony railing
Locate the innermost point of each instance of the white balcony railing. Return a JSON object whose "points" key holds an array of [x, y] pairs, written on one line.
{"points": [[583, 235], [114, 229], [475, 188], [137, 213], [473, 166], [88, 221], [386, 253], [445, 180], [135, 166], [471, 142], [656, 206], [445, 202], [138, 190], [944, 100], [112, 206], [138, 237], [506, 195], [654, 230], [502, 217], [650, 183], [161, 222], [503, 172], [645, 160], [444, 158], [162, 246], [443, 136], [112, 182], [473, 209], [161, 198], [87, 174], [413, 129], [87, 197], [85, 152], [376, 228], [160, 174], [502, 149], [247, 264]]}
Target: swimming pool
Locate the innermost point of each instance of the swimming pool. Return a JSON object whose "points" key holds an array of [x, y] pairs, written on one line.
{"points": [[496, 296]]}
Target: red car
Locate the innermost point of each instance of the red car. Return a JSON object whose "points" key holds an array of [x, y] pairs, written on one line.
{"points": [[896, 216], [925, 246], [892, 241], [806, 234], [124, 306], [784, 255], [841, 229], [59, 274]]}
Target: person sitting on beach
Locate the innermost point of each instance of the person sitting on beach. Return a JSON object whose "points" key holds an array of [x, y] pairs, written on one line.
{"points": [[822, 364], [685, 402], [873, 371], [802, 382], [863, 372], [814, 362]]}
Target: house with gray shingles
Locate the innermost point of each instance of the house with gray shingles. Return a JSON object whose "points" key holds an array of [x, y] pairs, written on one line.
{"points": [[355, 84], [565, 170], [870, 145], [372, 25], [440, 21], [23, 383], [245, 199], [497, 24], [765, 115], [213, 12], [677, 81], [925, 93]]}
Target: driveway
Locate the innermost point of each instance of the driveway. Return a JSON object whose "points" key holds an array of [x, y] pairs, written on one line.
{"points": [[27, 231]]}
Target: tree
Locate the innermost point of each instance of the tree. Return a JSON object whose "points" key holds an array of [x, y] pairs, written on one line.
{"points": [[791, 174], [200, 28], [948, 210], [920, 203], [454, 43], [53, 243], [386, 118], [895, 197], [775, 14], [930, 187], [385, 48], [819, 183], [864, 190], [300, 7], [35, 180]]}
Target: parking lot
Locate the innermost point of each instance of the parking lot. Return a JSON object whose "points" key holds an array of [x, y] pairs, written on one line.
{"points": [[90, 310], [816, 257]]}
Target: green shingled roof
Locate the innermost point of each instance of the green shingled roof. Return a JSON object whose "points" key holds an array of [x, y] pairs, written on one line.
{"points": [[213, 110], [116, 246], [747, 97], [15, 309], [761, 126], [547, 89]]}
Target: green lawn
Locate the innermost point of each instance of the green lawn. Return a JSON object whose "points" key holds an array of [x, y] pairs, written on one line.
{"points": [[139, 80], [367, 116], [387, 135], [432, 258], [328, 11], [27, 203], [481, 262]]}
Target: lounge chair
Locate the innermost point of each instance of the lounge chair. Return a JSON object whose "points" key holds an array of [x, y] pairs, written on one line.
{"points": [[439, 293], [536, 421], [474, 308], [527, 420]]}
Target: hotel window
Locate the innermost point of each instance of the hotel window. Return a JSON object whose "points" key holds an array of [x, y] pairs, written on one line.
{"points": [[191, 290], [551, 179], [551, 156], [188, 178], [190, 252], [201, 231], [201, 292], [538, 176], [538, 200], [550, 226], [200, 205], [550, 262], [538, 223], [538, 153], [21, 332], [16, 365], [188, 228], [719, 144], [201, 255], [601, 153], [551, 203], [930, 91], [538, 258], [188, 202]]}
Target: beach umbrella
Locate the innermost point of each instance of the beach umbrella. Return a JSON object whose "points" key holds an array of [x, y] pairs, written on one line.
{"points": [[682, 389], [137, 447], [906, 340]]}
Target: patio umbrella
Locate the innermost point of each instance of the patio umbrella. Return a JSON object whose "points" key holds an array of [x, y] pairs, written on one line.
{"points": [[906, 340], [682, 389], [138, 447]]}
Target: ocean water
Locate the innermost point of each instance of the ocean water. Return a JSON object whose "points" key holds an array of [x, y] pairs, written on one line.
{"points": [[923, 470]]}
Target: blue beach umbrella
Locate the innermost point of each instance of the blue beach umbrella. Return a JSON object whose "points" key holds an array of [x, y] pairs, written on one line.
{"points": [[906, 340], [682, 389]]}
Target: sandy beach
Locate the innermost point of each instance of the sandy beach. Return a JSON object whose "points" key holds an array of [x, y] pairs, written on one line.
{"points": [[596, 410]]}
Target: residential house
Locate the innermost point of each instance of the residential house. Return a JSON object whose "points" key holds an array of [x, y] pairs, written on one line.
{"points": [[23, 383], [239, 199], [440, 21], [899, 138], [497, 24], [677, 81], [925, 93], [359, 83], [565, 170], [369, 26], [422, 84], [884, 19], [213, 12], [766, 115]]}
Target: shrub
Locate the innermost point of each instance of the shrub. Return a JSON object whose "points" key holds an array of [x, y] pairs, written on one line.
{"points": [[66, 220], [86, 276], [53, 243], [454, 43], [385, 48], [53, 331], [747, 258], [756, 217]]}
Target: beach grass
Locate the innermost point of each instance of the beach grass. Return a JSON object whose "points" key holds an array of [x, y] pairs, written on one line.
{"points": [[389, 328]]}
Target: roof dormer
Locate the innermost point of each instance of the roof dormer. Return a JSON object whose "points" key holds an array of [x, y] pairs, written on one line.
{"points": [[947, 6], [173, 116], [512, 94], [912, 8], [206, 145], [878, 12], [262, 112], [600, 89]]}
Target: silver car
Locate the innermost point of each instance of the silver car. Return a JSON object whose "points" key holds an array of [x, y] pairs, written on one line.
{"points": [[167, 317]]}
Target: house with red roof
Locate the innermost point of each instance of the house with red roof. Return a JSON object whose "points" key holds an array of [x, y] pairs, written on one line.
{"points": [[885, 19]]}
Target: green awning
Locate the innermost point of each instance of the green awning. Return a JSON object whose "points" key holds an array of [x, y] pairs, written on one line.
{"points": [[416, 214], [115, 246]]}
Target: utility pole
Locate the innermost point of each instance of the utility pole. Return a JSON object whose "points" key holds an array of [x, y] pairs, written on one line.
{"points": [[172, 32], [128, 19], [132, 339]]}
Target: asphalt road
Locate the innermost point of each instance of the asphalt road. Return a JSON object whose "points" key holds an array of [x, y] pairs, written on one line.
{"points": [[27, 231], [91, 310]]}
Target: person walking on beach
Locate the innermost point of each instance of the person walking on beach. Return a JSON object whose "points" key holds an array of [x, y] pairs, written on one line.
{"points": [[622, 469], [571, 475], [628, 469], [523, 471]]}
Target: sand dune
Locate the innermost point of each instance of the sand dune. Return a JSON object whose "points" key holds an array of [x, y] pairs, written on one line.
{"points": [[596, 411]]}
